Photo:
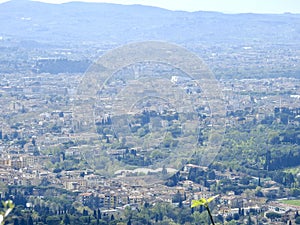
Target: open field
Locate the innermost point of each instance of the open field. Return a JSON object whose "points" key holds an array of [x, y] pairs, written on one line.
{"points": [[295, 202]]}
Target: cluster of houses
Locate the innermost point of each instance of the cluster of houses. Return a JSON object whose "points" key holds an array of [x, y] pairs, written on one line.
{"points": [[37, 131]]}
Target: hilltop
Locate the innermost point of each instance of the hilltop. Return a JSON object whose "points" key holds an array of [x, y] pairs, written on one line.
{"points": [[78, 22]]}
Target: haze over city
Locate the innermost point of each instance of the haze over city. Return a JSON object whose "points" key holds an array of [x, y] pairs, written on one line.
{"points": [[127, 112]]}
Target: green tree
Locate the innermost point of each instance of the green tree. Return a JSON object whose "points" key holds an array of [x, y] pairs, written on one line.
{"points": [[30, 221], [273, 215], [23, 221], [53, 220], [66, 219], [236, 216], [249, 221], [16, 221]]}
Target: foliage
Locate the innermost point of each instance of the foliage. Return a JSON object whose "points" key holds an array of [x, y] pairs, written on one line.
{"points": [[265, 148], [7, 208], [273, 215], [204, 202]]}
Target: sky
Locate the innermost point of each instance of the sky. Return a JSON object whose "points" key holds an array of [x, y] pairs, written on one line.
{"points": [[226, 6]]}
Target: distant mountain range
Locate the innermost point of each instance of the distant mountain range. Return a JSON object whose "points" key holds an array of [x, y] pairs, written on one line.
{"points": [[83, 22]]}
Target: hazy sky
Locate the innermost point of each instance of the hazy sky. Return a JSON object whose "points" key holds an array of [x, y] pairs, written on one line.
{"points": [[227, 6]]}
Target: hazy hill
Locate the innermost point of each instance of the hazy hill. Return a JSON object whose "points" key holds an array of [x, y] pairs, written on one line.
{"points": [[78, 21]]}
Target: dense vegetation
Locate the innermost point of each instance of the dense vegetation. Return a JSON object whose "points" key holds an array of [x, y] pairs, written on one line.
{"points": [[265, 148], [59, 207]]}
